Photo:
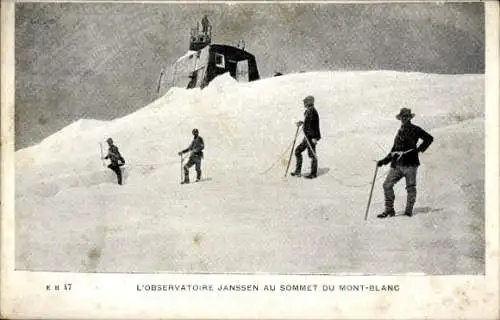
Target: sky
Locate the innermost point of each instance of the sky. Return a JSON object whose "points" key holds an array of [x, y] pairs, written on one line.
{"points": [[102, 61]]}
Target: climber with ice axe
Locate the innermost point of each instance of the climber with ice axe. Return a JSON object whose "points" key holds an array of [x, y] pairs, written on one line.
{"points": [[404, 162], [312, 135], [116, 159]]}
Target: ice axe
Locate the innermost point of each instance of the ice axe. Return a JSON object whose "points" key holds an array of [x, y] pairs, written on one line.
{"points": [[371, 191], [102, 155], [291, 152], [182, 164]]}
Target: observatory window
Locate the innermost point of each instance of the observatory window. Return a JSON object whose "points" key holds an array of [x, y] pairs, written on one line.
{"points": [[219, 60]]}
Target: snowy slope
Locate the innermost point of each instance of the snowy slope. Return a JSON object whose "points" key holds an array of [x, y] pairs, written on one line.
{"points": [[71, 215]]}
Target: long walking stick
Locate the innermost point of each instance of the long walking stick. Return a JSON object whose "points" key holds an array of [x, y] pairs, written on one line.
{"points": [[182, 163], [102, 155], [371, 192], [291, 152]]}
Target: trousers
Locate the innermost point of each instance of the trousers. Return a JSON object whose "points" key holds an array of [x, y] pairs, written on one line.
{"points": [[196, 161], [394, 175], [116, 168], [298, 155]]}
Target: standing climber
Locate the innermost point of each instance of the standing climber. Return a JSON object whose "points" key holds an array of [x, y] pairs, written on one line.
{"points": [[196, 147], [116, 159], [205, 24], [404, 162], [311, 137]]}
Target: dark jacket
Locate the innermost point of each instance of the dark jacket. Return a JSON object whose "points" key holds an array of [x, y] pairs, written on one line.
{"points": [[406, 139], [311, 124], [196, 147], [114, 155]]}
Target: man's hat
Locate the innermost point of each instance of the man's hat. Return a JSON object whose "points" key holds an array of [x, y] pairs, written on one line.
{"points": [[405, 112], [109, 140], [309, 100]]}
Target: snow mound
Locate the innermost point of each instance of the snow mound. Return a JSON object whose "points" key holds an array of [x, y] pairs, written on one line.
{"points": [[222, 83], [284, 224]]}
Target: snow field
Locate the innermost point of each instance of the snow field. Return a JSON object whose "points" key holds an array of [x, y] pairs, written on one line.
{"points": [[246, 217]]}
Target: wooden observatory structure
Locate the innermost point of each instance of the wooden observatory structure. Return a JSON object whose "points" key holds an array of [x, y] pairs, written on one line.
{"points": [[204, 61]]}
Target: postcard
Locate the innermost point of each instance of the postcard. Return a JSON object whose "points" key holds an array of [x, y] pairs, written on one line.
{"points": [[220, 159]]}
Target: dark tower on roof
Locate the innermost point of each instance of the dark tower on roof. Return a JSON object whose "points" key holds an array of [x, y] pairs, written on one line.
{"points": [[201, 39]]}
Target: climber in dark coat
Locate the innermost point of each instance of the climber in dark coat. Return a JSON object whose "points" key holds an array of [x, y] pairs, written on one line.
{"points": [[404, 162], [196, 148], [312, 135], [116, 160]]}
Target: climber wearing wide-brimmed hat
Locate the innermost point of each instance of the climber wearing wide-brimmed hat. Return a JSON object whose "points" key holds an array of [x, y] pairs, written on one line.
{"points": [[405, 113], [404, 162]]}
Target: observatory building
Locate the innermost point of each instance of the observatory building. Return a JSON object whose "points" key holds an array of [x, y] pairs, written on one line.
{"points": [[204, 61]]}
